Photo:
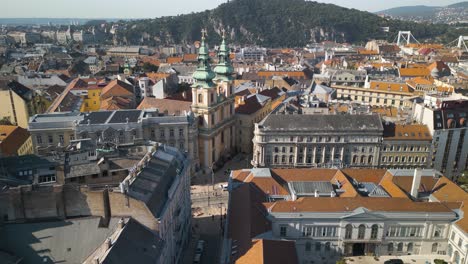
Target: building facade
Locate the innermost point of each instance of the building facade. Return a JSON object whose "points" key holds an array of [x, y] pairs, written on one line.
{"points": [[330, 214], [448, 126], [121, 128], [406, 146], [317, 141], [213, 105]]}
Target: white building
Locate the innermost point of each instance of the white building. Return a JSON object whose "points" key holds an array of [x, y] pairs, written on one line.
{"points": [[333, 213]]}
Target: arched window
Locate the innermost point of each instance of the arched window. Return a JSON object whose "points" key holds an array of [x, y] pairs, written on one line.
{"points": [[308, 246], [291, 159], [450, 250], [434, 247], [276, 159], [283, 159], [200, 98], [361, 231], [327, 246], [318, 246], [374, 231], [363, 159], [355, 159], [410, 247], [390, 247], [400, 247], [370, 159], [456, 258], [348, 231]]}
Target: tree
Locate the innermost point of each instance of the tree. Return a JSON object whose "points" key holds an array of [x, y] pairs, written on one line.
{"points": [[148, 67]]}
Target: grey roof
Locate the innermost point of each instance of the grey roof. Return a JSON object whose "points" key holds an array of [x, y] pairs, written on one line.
{"points": [[343, 123], [83, 170], [112, 117], [121, 116], [151, 185], [135, 244], [309, 188], [261, 172], [97, 117], [371, 189], [69, 241]]}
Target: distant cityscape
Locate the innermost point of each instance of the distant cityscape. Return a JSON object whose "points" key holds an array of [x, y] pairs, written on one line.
{"points": [[214, 151]]}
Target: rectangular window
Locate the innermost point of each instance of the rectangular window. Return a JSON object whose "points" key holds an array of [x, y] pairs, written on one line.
{"points": [[283, 231], [307, 231], [181, 132], [39, 139], [161, 133], [61, 138], [171, 132], [50, 139]]}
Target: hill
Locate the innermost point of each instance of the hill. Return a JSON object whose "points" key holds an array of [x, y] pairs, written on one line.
{"points": [[421, 10], [272, 23], [406, 11]]}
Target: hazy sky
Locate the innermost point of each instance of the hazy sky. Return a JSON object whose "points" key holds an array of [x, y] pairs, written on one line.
{"points": [[156, 8]]}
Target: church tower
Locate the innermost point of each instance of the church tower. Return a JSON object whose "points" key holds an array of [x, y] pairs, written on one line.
{"points": [[213, 104]]}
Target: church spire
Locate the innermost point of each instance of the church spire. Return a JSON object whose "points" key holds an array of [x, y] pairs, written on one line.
{"points": [[224, 68], [203, 75]]}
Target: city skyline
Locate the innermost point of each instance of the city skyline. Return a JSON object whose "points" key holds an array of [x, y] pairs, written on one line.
{"points": [[120, 9]]}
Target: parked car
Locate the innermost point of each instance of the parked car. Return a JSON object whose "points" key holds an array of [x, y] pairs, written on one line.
{"points": [[394, 261]]}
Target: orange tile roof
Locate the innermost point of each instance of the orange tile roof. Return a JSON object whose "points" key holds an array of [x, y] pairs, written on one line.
{"points": [[391, 188], [368, 52], [346, 185], [271, 252], [304, 175], [117, 88], [173, 60], [414, 72], [407, 132], [389, 87], [333, 204], [190, 57], [173, 107], [11, 139], [420, 81], [365, 175]]}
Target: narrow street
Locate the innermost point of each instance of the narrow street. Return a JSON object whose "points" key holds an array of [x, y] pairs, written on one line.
{"points": [[209, 207]]}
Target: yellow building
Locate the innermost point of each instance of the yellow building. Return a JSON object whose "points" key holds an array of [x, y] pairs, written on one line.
{"points": [[16, 103], [15, 141], [90, 91]]}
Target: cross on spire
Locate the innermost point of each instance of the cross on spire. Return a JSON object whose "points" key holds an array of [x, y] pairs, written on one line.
{"points": [[204, 33], [224, 33]]}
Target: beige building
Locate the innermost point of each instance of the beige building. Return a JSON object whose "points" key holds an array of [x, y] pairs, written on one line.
{"points": [[377, 94], [213, 104], [16, 103], [15, 141], [406, 146]]}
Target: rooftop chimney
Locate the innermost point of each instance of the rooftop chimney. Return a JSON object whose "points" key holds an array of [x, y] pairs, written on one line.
{"points": [[416, 182]]}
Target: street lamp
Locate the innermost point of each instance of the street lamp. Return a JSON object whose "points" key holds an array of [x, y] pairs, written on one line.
{"points": [[212, 175]]}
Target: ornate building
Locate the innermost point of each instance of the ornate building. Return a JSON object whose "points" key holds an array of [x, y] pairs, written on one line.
{"points": [[213, 104]]}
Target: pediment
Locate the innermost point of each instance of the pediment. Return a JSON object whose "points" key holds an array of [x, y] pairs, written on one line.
{"points": [[362, 213]]}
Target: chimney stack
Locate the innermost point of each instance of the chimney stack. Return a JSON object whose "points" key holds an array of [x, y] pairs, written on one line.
{"points": [[416, 182]]}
